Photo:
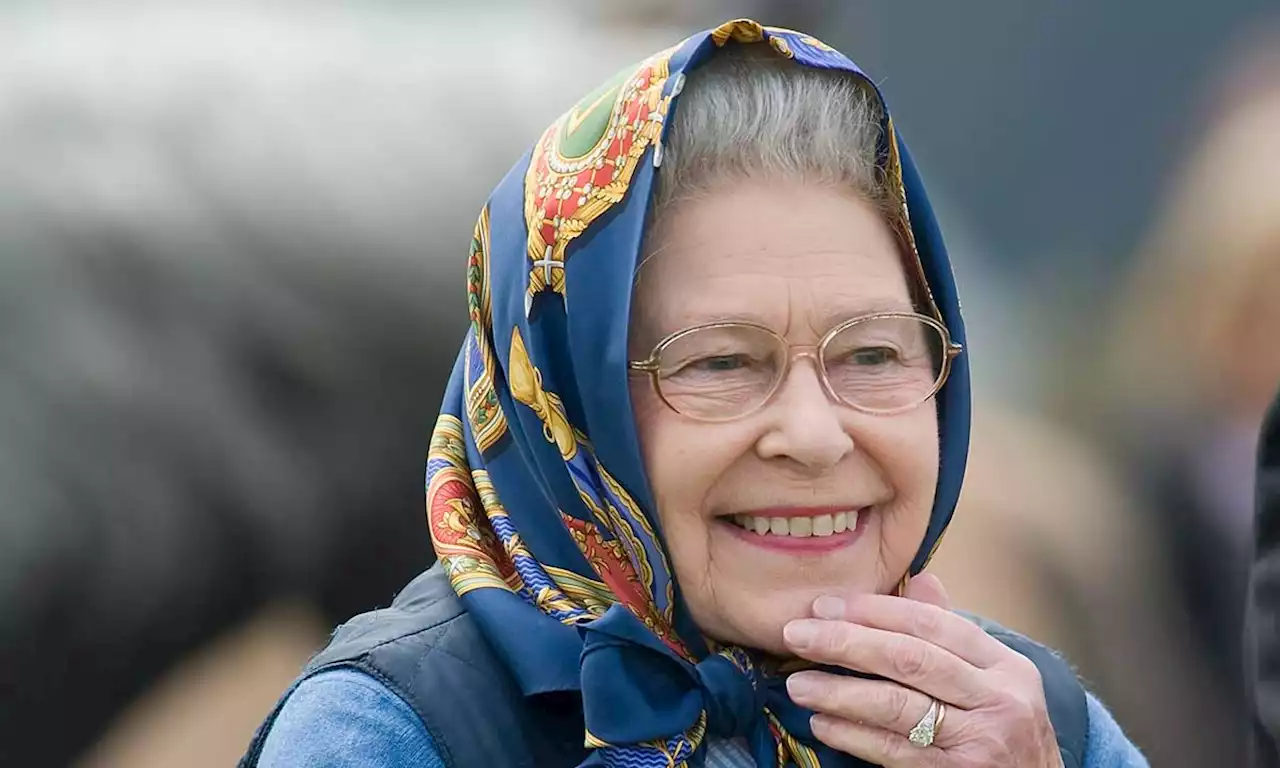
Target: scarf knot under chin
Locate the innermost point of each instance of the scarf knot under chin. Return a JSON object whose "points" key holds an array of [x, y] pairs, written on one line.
{"points": [[638, 696]]}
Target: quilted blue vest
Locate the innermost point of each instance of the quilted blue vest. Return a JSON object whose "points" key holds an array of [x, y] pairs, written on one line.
{"points": [[426, 649]]}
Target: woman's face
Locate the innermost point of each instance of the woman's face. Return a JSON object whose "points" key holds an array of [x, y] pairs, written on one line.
{"points": [[800, 260]]}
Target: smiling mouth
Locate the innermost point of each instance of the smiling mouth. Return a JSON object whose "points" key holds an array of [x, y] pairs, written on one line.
{"points": [[800, 527]]}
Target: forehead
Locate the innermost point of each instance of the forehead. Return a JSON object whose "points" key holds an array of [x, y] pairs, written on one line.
{"points": [[780, 254]]}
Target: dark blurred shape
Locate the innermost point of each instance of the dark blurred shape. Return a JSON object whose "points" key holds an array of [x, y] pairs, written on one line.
{"points": [[231, 288], [1262, 629], [221, 347]]}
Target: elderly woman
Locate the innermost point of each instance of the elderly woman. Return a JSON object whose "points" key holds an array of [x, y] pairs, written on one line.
{"points": [[710, 420]]}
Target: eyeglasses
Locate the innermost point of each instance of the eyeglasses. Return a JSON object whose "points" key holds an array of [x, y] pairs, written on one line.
{"points": [[883, 363]]}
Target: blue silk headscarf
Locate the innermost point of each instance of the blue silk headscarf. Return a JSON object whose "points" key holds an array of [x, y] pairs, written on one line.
{"points": [[537, 499]]}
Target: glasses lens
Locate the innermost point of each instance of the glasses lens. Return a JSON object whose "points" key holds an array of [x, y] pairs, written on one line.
{"points": [[885, 363], [720, 372]]}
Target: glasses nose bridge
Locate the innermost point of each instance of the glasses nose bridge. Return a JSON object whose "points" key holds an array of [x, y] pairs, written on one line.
{"points": [[814, 353]]}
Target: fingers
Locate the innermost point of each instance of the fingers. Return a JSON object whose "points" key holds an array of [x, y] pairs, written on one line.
{"points": [[875, 703], [927, 588], [923, 620], [874, 745], [906, 659]]}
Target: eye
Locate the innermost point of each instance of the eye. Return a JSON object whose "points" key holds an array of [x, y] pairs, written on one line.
{"points": [[726, 366], [720, 363], [873, 356], [719, 355]]}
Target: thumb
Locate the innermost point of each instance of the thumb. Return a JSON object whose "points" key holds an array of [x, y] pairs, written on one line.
{"points": [[927, 588]]}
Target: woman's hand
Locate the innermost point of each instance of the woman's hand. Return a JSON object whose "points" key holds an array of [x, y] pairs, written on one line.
{"points": [[995, 711]]}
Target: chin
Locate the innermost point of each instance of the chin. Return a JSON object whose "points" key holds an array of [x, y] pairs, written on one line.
{"points": [[743, 588], [756, 621]]}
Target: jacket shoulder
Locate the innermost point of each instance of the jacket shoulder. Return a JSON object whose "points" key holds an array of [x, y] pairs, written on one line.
{"points": [[1067, 700]]}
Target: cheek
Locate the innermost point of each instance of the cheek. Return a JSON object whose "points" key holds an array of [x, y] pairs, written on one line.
{"points": [[653, 429], [664, 444], [683, 460], [908, 457]]}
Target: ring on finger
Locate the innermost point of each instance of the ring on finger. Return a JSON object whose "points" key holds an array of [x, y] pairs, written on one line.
{"points": [[925, 731]]}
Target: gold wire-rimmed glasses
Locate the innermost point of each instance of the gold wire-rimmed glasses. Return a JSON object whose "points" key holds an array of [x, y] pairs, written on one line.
{"points": [[883, 363]]}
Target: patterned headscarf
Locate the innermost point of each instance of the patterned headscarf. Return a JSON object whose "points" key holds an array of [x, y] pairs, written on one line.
{"points": [[536, 494]]}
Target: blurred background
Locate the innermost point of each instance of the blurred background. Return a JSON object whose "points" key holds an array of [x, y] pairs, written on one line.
{"points": [[232, 239]]}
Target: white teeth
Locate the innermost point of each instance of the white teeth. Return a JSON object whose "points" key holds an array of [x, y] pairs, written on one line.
{"points": [[800, 527], [823, 525]]}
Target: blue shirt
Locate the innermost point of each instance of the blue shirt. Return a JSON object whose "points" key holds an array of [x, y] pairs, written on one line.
{"points": [[345, 718]]}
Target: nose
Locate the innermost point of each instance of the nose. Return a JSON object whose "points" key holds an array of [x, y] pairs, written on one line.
{"points": [[804, 422]]}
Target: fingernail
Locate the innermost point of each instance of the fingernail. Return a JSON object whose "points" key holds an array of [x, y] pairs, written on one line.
{"points": [[799, 634], [801, 685], [828, 607], [821, 723]]}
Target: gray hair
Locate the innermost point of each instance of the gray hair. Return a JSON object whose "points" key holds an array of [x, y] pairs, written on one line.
{"points": [[749, 113]]}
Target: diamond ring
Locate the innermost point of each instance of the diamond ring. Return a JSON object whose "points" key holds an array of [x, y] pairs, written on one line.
{"points": [[924, 732]]}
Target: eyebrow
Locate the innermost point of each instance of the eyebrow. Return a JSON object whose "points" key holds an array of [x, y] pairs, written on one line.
{"points": [[828, 318]]}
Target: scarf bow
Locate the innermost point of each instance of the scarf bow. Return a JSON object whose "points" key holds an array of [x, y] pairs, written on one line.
{"points": [[656, 698]]}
